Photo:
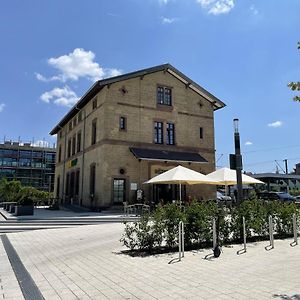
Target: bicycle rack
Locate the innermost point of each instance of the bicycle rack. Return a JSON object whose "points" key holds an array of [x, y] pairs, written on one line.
{"points": [[271, 233], [244, 250], [215, 242], [214, 228], [181, 240], [295, 229]]}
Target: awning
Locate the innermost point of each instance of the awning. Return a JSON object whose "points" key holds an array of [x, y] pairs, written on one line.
{"points": [[163, 155]]}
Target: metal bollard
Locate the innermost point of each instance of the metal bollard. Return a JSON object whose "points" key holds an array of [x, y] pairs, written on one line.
{"points": [[271, 233], [295, 230], [181, 239], [214, 228], [244, 232], [244, 250]]}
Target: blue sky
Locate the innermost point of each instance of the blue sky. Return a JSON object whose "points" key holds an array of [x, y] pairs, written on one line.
{"points": [[242, 51]]}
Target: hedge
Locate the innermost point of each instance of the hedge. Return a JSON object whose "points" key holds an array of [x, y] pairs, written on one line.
{"points": [[160, 229]]}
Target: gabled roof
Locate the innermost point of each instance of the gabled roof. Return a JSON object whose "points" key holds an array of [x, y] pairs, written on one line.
{"points": [[97, 86]]}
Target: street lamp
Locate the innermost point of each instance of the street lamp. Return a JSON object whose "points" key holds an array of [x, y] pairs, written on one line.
{"points": [[238, 161]]}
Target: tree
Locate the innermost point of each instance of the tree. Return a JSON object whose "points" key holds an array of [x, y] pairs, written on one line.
{"points": [[10, 190], [295, 86]]}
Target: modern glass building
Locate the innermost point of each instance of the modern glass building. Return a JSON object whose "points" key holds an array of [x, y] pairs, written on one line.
{"points": [[33, 166]]}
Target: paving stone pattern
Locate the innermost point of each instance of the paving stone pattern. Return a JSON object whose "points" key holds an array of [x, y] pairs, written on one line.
{"points": [[9, 286], [86, 263]]}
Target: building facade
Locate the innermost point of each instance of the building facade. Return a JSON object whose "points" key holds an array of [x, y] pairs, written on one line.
{"points": [[33, 166], [129, 128]]}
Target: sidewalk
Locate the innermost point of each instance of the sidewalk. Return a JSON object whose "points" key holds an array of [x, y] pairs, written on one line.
{"points": [[9, 286], [86, 263], [42, 213]]}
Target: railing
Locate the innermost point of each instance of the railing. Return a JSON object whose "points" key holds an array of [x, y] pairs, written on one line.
{"points": [[136, 209]]}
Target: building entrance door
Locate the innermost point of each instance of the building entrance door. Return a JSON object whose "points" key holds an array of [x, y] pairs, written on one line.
{"points": [[119, 189]]}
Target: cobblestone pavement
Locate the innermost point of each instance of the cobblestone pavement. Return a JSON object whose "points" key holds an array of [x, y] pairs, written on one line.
{"points": [[86, 263]]}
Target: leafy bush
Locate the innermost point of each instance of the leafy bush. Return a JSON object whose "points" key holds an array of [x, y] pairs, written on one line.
{"points": [[143, 235], [199, 216], [13, 191], [284, 223], [161, 227], [26, 200], [10, 191], [171, 215]]}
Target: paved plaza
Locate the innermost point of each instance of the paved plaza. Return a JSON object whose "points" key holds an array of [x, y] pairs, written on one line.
{"points": [[86, 263]]}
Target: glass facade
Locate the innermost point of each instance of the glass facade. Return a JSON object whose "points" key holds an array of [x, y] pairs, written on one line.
{"points": [[30, 165]]}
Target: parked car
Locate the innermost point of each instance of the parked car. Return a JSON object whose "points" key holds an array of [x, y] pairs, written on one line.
{"points": [[281, 196], [222, 197]]}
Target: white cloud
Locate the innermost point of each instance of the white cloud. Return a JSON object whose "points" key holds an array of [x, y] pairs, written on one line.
{"points": [[2, 105], [253, 10], [165, 20], [77, 64], [217, 7], [275, 124], [248, 143], [60, 96], [112, 72], [41, 77], [163, 1]]}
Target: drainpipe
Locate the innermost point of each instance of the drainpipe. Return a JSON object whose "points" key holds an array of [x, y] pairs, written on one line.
{"points": [[64, 167], [83, 152]]}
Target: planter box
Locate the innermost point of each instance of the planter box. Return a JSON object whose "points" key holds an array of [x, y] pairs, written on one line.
{"points": [[24, 210]]}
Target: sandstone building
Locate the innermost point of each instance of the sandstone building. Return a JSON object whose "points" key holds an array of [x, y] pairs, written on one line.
{"points": [[128, 128]]}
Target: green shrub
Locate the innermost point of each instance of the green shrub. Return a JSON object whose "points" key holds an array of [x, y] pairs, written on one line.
{"points": [[10, 190], [161, 227], [171, 216], [26, 200], [284, 215], [144, 235], [198, 226]]}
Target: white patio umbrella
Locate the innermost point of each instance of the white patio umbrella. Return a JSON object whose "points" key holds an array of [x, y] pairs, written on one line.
{"points": [[227, 176], [181, 175]]}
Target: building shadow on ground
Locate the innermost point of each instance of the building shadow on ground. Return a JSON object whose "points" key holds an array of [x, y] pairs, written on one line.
{"points": [[285, 296]]}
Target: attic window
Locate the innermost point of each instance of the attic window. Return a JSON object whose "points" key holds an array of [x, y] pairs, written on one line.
{"points": [[164, 96]]}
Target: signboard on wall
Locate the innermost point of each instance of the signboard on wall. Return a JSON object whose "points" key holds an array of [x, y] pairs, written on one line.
{"points": [[72, 163], [133, 186], [158, 169]]}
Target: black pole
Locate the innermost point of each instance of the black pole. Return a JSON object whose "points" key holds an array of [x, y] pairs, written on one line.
{"points": [[286, 166], [286, 172], [239, 166]]}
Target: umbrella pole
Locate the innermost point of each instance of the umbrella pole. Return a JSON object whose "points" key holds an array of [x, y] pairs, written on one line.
{"points": [[180, 194]]}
